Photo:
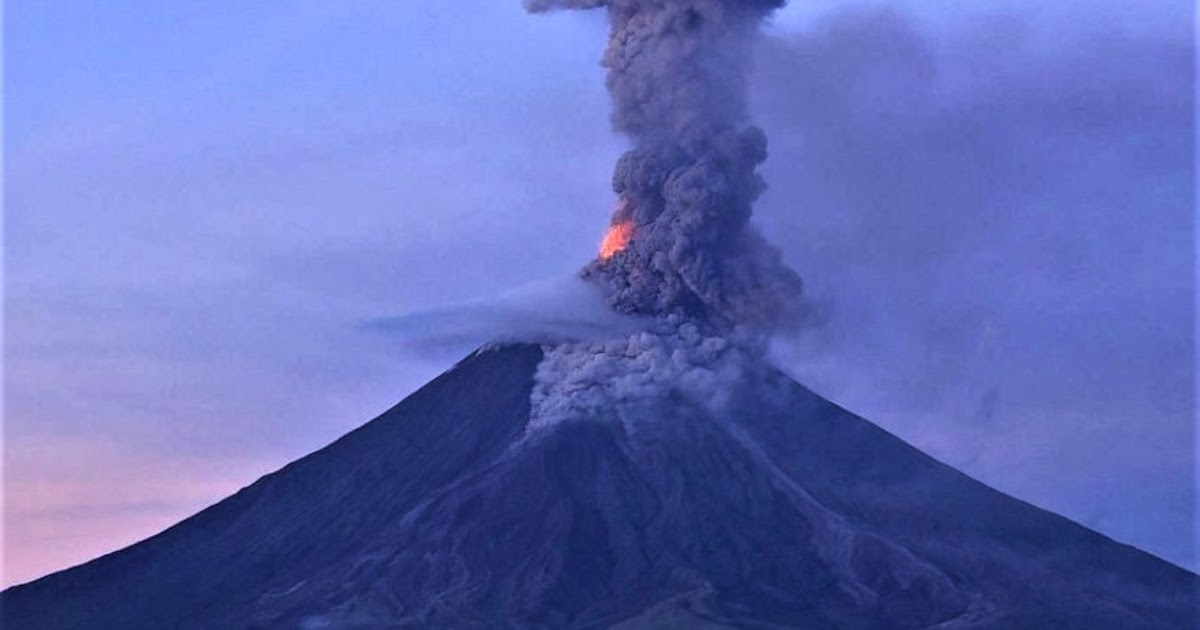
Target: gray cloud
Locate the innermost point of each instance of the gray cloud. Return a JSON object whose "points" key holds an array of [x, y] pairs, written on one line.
{"points": [[1000, 228], [677, 76]]}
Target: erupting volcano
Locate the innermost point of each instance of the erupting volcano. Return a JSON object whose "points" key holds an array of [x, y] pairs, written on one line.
{"points": [[677, 74], [666, 478], [616, 239]]}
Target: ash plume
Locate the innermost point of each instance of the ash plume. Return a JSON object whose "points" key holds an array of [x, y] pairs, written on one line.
{"points": [[677, 75], [674, 362]]}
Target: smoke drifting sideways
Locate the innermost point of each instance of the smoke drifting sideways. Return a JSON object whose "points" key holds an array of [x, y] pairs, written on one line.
{"points": [[560, 310], [677, 72]]}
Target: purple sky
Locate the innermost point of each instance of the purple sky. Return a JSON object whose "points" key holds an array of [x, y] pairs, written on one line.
{"points": [[207, 203]]}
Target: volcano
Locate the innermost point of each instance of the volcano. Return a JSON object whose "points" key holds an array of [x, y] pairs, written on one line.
{"points": [[451, 510]]}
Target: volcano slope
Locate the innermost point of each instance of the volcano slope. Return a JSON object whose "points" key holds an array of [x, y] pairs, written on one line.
{"points": [[448, 511]]}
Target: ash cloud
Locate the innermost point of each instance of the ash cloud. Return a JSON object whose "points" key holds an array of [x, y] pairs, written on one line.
{"points": [[1004, 203], [677, 74], [672, 363]]}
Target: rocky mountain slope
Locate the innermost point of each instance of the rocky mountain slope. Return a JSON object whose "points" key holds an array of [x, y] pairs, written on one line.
{"points": [[447, 511]]}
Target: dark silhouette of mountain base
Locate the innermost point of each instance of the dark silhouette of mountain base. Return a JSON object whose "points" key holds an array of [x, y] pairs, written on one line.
{"points": [[445, 512]]}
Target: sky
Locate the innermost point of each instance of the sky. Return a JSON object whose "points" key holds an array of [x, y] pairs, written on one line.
{"points": [[210, 205]]}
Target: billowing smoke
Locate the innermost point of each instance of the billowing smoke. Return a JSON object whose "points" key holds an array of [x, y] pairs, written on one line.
{"points": [[677, 74], [671, 363]]}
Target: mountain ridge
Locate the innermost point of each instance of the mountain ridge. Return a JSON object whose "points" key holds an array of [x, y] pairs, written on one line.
{"points": [[445, 511]]}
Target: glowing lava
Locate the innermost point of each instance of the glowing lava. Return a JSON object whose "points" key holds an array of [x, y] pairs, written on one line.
{"points": [[616, 239]]}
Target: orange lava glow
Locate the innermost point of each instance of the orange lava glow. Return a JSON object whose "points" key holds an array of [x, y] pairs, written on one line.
{"points": [[616, 239]]}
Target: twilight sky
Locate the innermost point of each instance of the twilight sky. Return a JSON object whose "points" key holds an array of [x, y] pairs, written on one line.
{"points": [[207, 203]]}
